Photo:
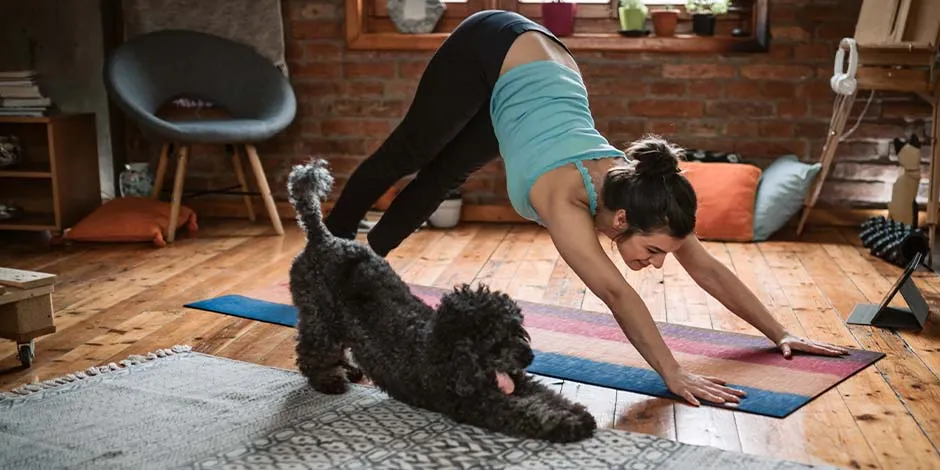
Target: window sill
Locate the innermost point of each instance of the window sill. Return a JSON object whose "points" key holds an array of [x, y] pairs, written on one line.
{"points": [[577, 42]]}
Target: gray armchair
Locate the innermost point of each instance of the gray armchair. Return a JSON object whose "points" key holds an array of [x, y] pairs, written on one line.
{"points": [[150, 70]]}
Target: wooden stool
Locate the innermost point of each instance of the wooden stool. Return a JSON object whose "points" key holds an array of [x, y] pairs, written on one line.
{"points": [[25, 309]]}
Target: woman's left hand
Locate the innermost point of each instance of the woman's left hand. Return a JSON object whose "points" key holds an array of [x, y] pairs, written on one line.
{"points": [[790, 343]]}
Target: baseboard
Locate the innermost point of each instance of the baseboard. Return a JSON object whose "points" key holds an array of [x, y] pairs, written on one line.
{"points": [[231, 207]]}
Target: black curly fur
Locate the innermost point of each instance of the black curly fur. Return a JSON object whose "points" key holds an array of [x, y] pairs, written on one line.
{"points": [[443, 359]]}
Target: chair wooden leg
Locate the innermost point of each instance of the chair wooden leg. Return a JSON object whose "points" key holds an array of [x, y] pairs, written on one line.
{"points": [[161, 171], [177, 192], [264, 188], [240, 174]]}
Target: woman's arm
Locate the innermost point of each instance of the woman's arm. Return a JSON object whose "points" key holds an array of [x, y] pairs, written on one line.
{"points": [[722, 284], [572, 232]]}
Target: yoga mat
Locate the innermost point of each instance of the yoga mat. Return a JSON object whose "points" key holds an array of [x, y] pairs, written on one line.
{"points": [[589, 347]]}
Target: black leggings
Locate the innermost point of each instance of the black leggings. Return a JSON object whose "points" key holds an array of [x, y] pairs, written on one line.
{"points": [[445, 136]]}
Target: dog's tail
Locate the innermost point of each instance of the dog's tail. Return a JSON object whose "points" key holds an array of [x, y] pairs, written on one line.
{"points": [[307, 184]]}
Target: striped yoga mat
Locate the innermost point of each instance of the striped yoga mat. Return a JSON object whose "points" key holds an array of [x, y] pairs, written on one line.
{"points": [[589, 347]]}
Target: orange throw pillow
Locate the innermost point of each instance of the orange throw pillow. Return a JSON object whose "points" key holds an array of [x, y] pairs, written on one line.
{"points": [[726, 194], [130, 219]]}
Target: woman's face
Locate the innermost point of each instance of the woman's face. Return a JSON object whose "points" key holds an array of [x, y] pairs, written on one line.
{"points": [[640, 251], [637, 251]]}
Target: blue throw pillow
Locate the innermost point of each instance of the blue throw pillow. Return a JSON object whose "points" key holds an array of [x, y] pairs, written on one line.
{"points": [[780, 193]]}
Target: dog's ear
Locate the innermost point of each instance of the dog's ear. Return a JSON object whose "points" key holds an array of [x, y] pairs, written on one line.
{"points": [[898, 144], [915, 142]]}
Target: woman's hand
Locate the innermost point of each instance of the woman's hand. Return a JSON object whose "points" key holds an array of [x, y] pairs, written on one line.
{"points": [[693, 387], [790, 343]]}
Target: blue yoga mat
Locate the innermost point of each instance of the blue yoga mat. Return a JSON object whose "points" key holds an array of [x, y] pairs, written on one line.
{"points": [[620, 377]]}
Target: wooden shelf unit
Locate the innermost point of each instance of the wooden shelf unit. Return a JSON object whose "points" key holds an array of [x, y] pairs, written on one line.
{"points": [[57, 182]]}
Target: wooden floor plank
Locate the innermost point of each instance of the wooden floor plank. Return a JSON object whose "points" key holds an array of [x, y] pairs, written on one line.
{"points": [[114, 300]]}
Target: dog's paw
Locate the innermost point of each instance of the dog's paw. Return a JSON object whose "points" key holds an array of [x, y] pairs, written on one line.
{"points": [[576, 425], [333, 384]]}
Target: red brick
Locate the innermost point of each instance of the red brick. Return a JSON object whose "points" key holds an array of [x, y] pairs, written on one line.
{"points": [[316, 29], [400, 88], [667, 108], [667, 88], [336, 146], [777, 72], [703, 128], [850, 151], [705, 88], [739, 109], [870, 130], [355, 127], [316, 70], [633, 128], [742, 128], [619, 70], [835, 30], [906, 110], [792, 109], [818, 91], [699, 71], [360, 88], [772, 148], [608, 107], [780, 90], [812, 129], [616, 87], [369, 69], [368, 108], [317, 11], [743, 89], [777, 129], [663, 128], [344, 165], [791, 33], [813, 52], [411, 69], [322, 51]]}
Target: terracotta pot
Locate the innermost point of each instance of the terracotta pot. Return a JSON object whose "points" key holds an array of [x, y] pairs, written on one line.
{"points": [[558, 17], [664, 22]]}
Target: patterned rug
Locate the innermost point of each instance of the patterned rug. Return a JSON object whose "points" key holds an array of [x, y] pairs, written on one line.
{"points": [[590, 347], [182, 409]]}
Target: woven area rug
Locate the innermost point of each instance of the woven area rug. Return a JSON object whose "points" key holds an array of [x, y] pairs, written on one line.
{"points": [[590, 347], [182, 409]]}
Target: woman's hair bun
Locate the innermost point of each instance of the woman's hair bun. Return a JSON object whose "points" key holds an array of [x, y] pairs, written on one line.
{"points": [[655, 157]]}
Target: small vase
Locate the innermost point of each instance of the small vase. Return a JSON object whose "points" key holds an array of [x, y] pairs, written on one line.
{"points": [[703, 24], [558, 17], [664, 22], [136, 180], [632, 18]]}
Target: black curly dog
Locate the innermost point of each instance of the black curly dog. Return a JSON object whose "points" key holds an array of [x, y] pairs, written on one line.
{"points": [[444, 360]]}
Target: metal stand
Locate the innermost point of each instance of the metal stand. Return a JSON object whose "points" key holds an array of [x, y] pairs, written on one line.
{"points": [[881, 315]]}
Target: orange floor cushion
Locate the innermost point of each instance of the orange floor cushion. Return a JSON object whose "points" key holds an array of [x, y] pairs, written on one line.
{"points": [[131, 219], [726, 194]]}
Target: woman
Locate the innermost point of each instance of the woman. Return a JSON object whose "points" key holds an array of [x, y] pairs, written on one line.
{"points": [[503, 85]]}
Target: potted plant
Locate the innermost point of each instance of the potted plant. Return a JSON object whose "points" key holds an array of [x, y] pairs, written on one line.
{"points": [[703, 15], [558, 16], [665, 21], [447, 214], [632, 15]]}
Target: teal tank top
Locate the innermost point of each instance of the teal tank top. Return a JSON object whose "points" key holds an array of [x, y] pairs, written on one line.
{"points": [[542, 121]]}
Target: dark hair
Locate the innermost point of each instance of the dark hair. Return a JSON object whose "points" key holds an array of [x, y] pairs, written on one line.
{"points": [[655, 195]]}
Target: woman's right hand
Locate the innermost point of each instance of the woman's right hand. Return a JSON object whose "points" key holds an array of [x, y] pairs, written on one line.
{"points": [[694, 387]]}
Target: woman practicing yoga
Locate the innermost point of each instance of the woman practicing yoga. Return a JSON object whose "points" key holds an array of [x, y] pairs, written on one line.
{"points": [[503, 85]]}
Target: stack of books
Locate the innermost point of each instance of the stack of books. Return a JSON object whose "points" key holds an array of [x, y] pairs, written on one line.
{"points": [[20, 94]]}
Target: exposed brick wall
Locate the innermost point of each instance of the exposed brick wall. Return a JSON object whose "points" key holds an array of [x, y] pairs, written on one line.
{"points": [[760, 105]]}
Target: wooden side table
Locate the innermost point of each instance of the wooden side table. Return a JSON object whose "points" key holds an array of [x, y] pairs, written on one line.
{"points": [[57, 183], [26, 311]]}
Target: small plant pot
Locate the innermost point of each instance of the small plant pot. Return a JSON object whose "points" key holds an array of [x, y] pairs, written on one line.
{"points": [[703, 24], [447, 215], [665, 22], [632, 19], [558, 17]]}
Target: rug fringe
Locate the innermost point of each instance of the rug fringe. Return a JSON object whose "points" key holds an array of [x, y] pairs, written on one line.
{"points": [[98, 370]]}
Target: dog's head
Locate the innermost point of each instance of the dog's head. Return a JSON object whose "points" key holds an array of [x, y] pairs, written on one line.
{"points": [[481, 334]]}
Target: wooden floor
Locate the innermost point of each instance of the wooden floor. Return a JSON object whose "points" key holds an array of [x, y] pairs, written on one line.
{"points": [[116, 300]]}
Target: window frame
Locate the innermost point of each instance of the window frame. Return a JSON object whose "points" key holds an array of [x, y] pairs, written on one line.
{"points": [[366, 31]]}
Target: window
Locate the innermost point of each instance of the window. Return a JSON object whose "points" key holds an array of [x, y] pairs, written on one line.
{"points": [[597, 26]]}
